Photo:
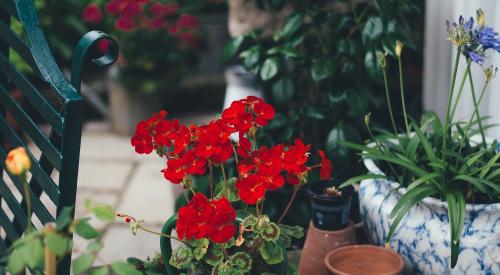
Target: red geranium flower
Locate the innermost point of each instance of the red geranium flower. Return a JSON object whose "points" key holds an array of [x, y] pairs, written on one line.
{"points": [[187, 21], [326, 166], [202, 218], [92, 14], [251, 189], [125, 24], [143, 143]]}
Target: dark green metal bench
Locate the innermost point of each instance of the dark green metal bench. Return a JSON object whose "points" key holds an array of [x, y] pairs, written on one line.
{"points": [[60, 105]]}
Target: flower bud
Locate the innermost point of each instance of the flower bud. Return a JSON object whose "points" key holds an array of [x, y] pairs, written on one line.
{"points": [[481, 21], [17, 161], [367, 119], [381, 59], [399, 48], [490, 73]]}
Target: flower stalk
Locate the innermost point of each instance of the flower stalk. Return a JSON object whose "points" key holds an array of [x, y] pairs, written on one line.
{"points": [[399, 48]]}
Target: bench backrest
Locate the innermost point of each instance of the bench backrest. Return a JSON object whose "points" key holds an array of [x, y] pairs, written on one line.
{"points": [[58, 104]]}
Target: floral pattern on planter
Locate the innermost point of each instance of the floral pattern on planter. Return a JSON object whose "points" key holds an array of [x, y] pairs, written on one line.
{"points": [[423, 235]]}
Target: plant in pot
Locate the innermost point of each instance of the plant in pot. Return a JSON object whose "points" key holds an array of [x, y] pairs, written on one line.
{"points": [[226, 231], [321, 73], [435, 188], [330, 227], [160, 44]]}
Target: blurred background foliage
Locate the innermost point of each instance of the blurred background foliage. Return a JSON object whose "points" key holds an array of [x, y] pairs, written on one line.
{"points": [[321, 73]]}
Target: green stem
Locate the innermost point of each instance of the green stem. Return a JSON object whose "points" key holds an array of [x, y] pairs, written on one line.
{"points": [[225, 179], [450, 96], [27, 197], [476, 105], [211, 167], [290, 202], [476, 110], [388, 98], [401, 86], [161, 234], [462, 83]]}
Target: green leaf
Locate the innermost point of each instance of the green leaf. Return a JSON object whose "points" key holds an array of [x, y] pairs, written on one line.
{"points": [[33, 253], [283, 91], [104, 212], [358, 179], [373, 29], [373, 69], [429, 151], [122, 268], [103, 270], [85, 230], [269, 69], [64, 218], [252, 56], [94, 246], [271, 253], [214, 255], [474, 181], [201, 248], [231, 48], [291, 52], [181, 257], [423, 179], [231, 194], [486, 169], [456, 217], [322, 69], [16, 262], [58, 244], [407, 201], [241, 261], [292, 25], [271, 232], [82, 263]]}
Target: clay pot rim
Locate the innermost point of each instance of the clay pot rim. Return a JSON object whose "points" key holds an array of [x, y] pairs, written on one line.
{"points": [[378, 249], [348, 227]]}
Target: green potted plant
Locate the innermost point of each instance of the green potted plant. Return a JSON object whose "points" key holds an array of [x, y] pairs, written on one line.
{"points": [[321, 73], [226, 231], [434, 188]]}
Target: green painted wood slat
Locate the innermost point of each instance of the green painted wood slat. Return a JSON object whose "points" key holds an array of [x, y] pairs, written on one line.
{"points": [[17, 44], [30, 127], [6, 224], [37, 172], [40, 103], [38, 208], [8, 197]]}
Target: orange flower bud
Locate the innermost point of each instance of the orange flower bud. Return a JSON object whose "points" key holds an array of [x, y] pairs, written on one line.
{"points": [[18, 161]]}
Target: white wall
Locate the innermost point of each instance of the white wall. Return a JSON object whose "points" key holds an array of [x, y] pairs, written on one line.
{"points": [[438, 60]]}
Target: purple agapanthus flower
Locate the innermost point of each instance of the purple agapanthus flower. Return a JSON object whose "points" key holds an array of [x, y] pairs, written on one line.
{"points": [[488, 38], [474, 39]]}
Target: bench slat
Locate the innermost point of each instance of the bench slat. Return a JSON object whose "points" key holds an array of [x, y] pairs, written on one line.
{"points": [[12, 39], [30, 127], [37, 172], [33, 95], [19, 213], [12, 234]]}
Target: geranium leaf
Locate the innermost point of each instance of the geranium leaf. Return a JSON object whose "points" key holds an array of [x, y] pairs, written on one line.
{"points": [[241, 261], [122, 268], [181, 257], [271, 252], [201, 248], [271, 232]]}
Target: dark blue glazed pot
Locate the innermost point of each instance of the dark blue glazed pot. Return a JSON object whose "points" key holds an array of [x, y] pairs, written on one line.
{"points": [[330, 212]]}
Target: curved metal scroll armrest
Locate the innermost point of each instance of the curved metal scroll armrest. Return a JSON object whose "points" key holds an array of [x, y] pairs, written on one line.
{"points": [[88, 42], [166, 246]]}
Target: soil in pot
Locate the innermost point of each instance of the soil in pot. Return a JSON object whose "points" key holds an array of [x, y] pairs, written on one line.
{"points": [[331, 206], [365, 260]]}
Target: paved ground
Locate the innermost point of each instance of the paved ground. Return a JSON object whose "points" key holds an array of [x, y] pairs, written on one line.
{"points": [[111, 172]]}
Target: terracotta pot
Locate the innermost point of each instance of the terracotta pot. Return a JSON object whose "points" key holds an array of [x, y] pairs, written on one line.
{"points": [[318, 243], [364, 260]]}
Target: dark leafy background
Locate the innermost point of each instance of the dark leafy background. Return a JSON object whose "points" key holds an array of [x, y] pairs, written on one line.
{"points": [[321, 73]]}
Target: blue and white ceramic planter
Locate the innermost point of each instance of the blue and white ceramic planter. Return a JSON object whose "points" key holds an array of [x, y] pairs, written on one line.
{"points": [[423, 236]]}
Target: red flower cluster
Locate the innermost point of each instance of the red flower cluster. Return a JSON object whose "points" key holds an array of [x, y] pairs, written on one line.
{"points": [[92, 14], [202, 218], [265, 168], [146, 14], [190, 149]]}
